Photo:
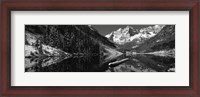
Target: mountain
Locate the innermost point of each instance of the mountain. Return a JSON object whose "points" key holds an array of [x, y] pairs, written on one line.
{"points": [[66, 37], [146, 33], [163, 41], [122, 36], [37, 53], [93, 33], [129, 38], [74, 40], [33, 47], [49, 45]]}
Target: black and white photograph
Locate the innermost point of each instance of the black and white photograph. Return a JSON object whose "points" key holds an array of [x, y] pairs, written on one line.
{"points": [[99, 48]]}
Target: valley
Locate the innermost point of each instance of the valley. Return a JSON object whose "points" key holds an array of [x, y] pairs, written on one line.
{"points": [[80, 48]]}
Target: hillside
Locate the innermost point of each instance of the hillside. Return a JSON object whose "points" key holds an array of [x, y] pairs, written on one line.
{"points": [[50, 44], [164, 40]]}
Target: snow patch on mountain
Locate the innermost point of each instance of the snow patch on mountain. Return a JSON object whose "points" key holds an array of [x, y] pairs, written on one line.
{"points": [[108, 35]]}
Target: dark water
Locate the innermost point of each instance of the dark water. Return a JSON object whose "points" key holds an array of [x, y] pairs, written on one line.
{"points": [[93, 63]]}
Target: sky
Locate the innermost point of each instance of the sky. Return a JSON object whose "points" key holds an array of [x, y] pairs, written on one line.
{"points": [[106, 29]]}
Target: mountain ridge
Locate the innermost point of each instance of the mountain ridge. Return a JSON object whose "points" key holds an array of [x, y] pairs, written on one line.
{"points": [[131, 36], [157, 37], [164, 40]]}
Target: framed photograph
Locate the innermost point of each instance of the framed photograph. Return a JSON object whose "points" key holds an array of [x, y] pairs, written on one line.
{"points": [[139, 48]]}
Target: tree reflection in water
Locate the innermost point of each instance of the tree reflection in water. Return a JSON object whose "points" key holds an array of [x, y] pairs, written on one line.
{"points": [[92, 63]]}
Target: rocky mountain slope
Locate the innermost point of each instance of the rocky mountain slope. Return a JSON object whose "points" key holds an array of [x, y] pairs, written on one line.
{"points": [[164, 40], [69, 38]]}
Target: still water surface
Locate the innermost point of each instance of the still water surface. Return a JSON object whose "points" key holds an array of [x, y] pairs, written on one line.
{"points": [[93, 63]]}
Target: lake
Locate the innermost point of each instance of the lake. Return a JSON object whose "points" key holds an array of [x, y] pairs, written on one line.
{"points": [[95, 63]]}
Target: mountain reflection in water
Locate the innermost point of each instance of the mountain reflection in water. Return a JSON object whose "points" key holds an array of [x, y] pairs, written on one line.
{"points": [[93, 63]]}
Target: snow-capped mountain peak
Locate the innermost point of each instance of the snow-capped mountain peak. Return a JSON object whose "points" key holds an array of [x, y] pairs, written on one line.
{"points": [[127, 28], [119, 29], [130, 30], [129, 34], [122, 35]]}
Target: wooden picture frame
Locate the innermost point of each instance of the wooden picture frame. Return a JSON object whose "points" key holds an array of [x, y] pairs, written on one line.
{"points": [[193, 90]]}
